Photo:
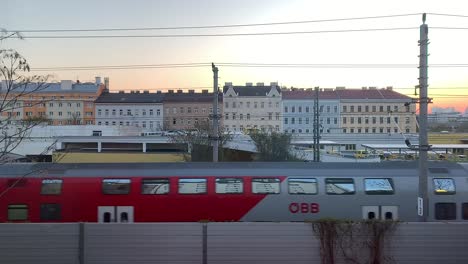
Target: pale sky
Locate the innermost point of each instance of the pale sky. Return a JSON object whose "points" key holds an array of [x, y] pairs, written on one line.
{"points": [[389, 47]]}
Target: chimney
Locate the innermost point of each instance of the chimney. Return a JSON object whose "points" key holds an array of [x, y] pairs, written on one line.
{"points": [[309, 89], [364, 88], [249, 84], [106, 82], [191, 91], [179, 91], [326, 89], [273, 84], [204, 91], [146, 92], [260, 84], [66, 85], [121, 92], [372, 88], [158, 92], [228, 84], [137, 91], [390, 88], [340, 88], [98, 80], [170, 91]]}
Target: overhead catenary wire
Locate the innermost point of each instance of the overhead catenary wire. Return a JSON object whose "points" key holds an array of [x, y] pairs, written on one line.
{"points": [[212, 26], [215, 34]]}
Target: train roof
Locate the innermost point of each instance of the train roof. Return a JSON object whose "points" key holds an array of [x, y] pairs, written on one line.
{"points": [[388, 169]]}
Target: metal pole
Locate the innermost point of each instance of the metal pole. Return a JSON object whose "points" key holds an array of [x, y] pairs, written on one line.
{"points": [[316, 126], [423, 142], [215, 135]]}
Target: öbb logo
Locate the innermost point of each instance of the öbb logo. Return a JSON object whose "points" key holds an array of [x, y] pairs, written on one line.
{"points": [[304, 208]]}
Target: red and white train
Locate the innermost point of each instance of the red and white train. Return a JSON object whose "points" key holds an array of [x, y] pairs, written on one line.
{"points": [[189, 192]]}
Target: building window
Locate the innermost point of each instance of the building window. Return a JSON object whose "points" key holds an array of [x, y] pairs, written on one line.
{"points": [[285, 120], [302, 186], [277, 116], [248, 104], [116, 186], [248, 116], [50, 212], [445, 211], [359, 108], [381, 108], [226, 116], [265, 185], [335, 120], [155, 186], [299, 121], [192, 186], [229, 185], [285, 109], [262, 105], [293, 120], [17, 212], [367, 108], [255, 105], [51, 186], [352, 108], [299, 109], [307, 120], [351, 120]]}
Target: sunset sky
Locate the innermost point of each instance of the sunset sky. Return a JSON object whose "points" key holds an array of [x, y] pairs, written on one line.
{"points": [[448, 86]]}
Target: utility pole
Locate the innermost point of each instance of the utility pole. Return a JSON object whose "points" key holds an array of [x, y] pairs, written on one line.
{"points": [[423, 200], [316, 127], [215, 136]]}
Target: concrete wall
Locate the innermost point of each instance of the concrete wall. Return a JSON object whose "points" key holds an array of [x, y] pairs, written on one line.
{"points": [[224, 243]]}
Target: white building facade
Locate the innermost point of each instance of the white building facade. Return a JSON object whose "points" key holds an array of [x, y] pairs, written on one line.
{"points": [[144, 110], [252, 107], [298, 111]]}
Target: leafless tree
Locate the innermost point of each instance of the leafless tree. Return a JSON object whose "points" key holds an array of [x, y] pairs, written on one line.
{"points": [[199, 141], [16, 92], [273, 146]]}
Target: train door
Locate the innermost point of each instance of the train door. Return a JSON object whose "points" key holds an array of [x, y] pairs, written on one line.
{"points": [[389, 212], [115, 214], [124, 214], [370, 212], [385, 212]]}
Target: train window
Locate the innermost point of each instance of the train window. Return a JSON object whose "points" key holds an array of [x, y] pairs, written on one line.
{"points": [[444, 186], [51, 186], [116, 186], [302, 186], [266, 185], [445, 211], [155, 186], [465, 211], [339, 186], [17, 212], [192, 186], [50, 212], [229, 185], [379, 186]]}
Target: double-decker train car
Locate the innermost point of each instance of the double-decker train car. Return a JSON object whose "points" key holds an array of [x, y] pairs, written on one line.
{"points": [[188, 192]]}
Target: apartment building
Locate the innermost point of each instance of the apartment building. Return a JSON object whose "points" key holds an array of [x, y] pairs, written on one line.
{"points": [[136, 109], [298, 111], [372, 110], [64, 103], [183, 111], [252, 107]]}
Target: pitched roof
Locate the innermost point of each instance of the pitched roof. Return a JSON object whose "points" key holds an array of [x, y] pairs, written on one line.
{"points": [[56, 88], [251, 90], [370, 94], [345, 94], [191, 97], [298, 95], [129, 98]]}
